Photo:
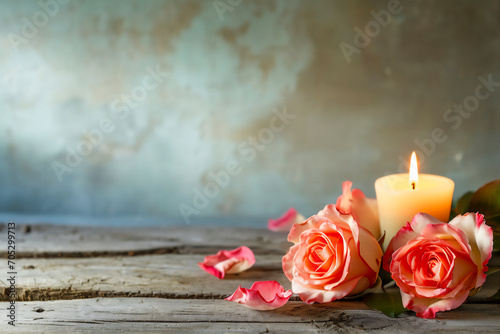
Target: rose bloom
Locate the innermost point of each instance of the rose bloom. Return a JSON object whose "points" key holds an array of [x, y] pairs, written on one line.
{"points": [[437, 264], [333, 257]]}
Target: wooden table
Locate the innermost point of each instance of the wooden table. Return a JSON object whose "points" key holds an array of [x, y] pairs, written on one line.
{"points": [[93, 279]]}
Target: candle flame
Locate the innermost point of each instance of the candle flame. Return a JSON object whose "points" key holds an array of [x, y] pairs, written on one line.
{"points": [[413, 171]]}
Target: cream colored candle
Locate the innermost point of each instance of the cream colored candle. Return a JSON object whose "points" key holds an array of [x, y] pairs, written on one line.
{"points": [[400, 197]]}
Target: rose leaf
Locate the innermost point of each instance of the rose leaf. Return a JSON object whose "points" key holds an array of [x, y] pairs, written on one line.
{"points": [[486, 200], [495, 298], [388, 303], [496, 241], [492, 271], [463, 203]]}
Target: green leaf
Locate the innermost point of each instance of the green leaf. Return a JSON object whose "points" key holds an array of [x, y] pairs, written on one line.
{"points": [[486, 200], [463, 203], [492, 271], [496, 242], [495, 297], [385, 276], [388, 303]]}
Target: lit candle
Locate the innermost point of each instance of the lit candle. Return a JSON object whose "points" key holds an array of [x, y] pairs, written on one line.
{"points": [[401, 196]]}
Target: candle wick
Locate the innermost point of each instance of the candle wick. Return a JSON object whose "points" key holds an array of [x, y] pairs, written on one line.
{"points": [[413, 185]]}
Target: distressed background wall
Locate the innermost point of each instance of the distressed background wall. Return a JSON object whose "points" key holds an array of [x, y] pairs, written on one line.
{"points": [[132, 108]]}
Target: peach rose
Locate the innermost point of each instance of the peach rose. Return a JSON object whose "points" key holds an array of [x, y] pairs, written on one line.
{"points": [[436, 264], [333, 257], [363, 209]]}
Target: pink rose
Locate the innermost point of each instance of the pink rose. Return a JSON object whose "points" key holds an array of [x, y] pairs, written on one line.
{"points": [[363, 209], [263, 295], [228, 262], [436, 264], [286, 221], [333, 257]]}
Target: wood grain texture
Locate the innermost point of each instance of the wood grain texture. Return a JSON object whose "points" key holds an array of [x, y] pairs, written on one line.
{"points": [[167, 276], [209, 316], [77, 241], [172, 276], [82, 279]]}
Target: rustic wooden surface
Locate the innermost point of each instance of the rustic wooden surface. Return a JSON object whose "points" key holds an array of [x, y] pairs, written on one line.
{"points": [[167, 276], [74, 241], [90, 279], [219, 316]]}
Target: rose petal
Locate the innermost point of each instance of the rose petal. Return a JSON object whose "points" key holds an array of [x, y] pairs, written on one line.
{"points": [[262, 295], [285, 222], [310, 295], [480, 238], [344, 201], [312, 222], [328, 214], [363, 209], [406, 233], [330, 211], [427, 308], [287, 261], [444, 230], [340, 270], [371, 253], [228, 262]]}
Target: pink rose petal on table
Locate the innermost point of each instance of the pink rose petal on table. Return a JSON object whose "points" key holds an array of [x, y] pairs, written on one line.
{"points": [[228, 262], [285, 222], [263, 295]]}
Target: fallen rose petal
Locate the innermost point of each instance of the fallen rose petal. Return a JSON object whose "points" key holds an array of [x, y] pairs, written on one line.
{"points": [[228, 262], [285, 222], [263, 295]]}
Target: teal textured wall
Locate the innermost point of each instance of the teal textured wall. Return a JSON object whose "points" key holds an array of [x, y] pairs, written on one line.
{"points": [[241, 108]]}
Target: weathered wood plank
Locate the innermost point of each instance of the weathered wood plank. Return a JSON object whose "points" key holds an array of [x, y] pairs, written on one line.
{"points": [[60, 263], [169, 327], [201, 316], [79, 241], [167, 276]]}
